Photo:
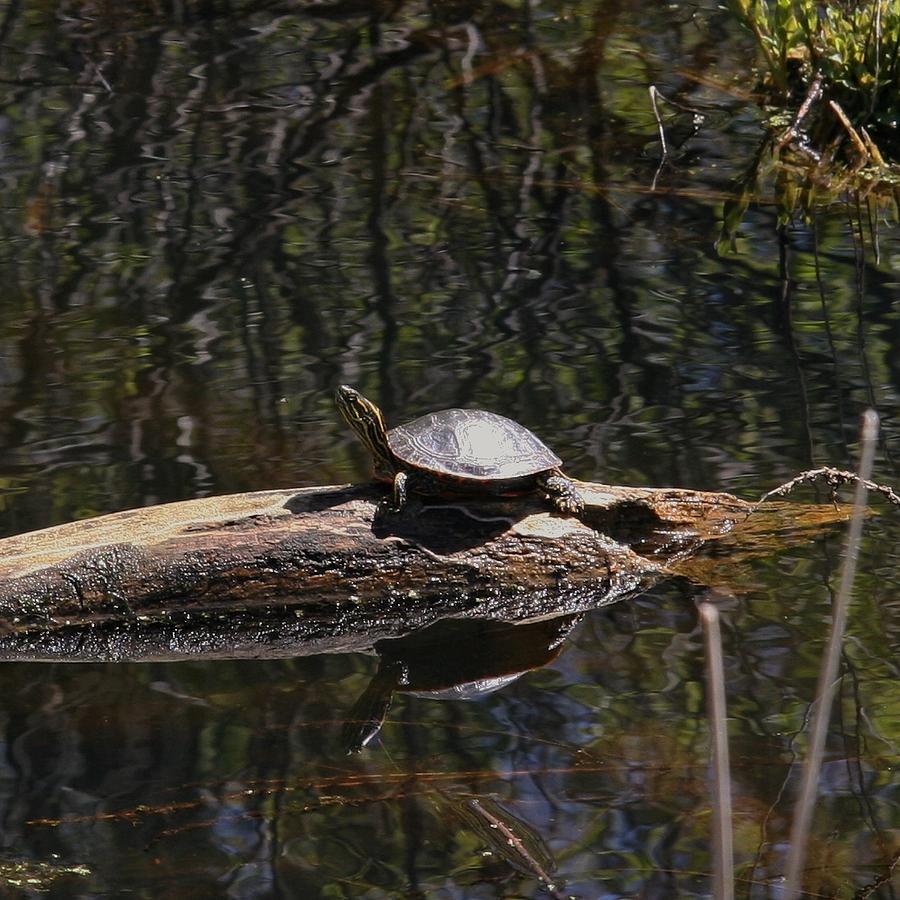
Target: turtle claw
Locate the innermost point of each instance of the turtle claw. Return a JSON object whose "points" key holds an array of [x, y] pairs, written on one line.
{"points": [[569, 505]]}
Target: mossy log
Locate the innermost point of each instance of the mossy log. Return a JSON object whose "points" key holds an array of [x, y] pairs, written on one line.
{"points": [[285, 572]]}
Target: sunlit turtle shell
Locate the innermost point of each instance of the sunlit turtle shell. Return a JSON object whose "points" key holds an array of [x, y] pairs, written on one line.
{"points": [[471, 444]]}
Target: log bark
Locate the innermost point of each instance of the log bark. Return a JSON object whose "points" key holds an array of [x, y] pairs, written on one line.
{"points": [[283, 572]]}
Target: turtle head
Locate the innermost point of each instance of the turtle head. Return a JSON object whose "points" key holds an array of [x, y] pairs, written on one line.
{"points": [[367, 422]]}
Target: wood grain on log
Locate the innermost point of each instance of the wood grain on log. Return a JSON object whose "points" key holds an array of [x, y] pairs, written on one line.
{"points": [[288, 571]]}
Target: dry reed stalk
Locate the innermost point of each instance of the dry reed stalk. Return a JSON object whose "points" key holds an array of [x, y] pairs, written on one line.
{"points": [[827, 685]]}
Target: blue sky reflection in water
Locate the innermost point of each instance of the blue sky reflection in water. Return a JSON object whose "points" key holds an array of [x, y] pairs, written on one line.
{"points": [[214, 215]]}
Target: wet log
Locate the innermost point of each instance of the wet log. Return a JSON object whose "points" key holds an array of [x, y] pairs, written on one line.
{"points": [[277, 573]]}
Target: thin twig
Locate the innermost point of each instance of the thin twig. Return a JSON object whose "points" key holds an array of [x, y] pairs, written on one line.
{"points": [[698, 118], [654, 93], [886, 877], [872, 148], [793, 130], [834, 478], [825, 691], [877, 72], [854, 134]]}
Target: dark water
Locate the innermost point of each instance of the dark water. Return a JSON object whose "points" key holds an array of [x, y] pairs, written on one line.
{"points": [[213, 213]]}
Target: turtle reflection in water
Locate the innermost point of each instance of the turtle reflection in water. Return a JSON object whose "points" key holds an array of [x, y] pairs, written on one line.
{"points": [[452, 660], [458, 450]]}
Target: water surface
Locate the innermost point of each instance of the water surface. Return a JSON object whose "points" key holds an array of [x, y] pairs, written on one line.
{"points": [[217, 212]]}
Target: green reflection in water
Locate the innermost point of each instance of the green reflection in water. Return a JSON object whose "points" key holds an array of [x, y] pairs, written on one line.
{"points": [[212, 217]]}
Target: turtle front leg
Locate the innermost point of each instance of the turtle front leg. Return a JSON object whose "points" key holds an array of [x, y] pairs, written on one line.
{"points": [[406, 483], [561, 491], [401, 491]]}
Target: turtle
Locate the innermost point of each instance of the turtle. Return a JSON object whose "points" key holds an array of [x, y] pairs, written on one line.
{"points": [[467, 451]]}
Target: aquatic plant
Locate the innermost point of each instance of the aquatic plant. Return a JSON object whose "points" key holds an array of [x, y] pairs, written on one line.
{"points": [[829, 80], [836, 67]]}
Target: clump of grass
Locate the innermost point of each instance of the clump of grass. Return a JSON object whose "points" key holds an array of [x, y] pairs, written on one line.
{"points": [[830, 81], [835, 68]]}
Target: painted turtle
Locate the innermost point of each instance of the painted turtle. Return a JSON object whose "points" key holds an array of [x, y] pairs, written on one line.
{"points": [[458, 450]]}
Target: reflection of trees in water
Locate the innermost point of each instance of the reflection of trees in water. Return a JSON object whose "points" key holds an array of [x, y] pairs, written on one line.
{"points": [[204, 217], [243, 208]]}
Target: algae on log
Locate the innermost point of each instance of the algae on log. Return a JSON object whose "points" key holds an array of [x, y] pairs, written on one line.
{"points": [[289, 572]]}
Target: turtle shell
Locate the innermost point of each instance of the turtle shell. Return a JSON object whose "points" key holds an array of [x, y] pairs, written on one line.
{"points": [[471, 444]]}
